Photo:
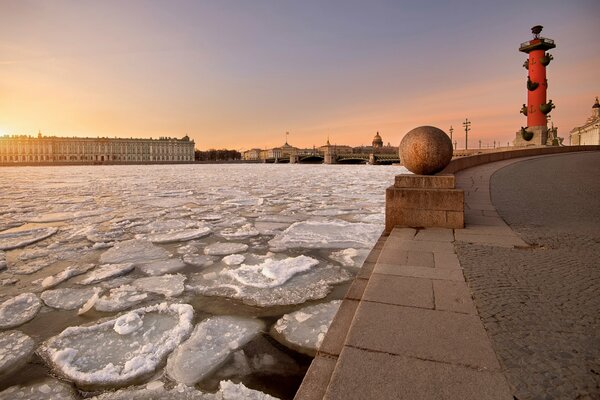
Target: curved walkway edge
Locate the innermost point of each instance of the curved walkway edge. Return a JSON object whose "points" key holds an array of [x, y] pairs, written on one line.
{"points": [[408, 327]]}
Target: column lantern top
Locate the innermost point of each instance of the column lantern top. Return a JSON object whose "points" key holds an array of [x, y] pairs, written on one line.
{"points": [[538, 42]]}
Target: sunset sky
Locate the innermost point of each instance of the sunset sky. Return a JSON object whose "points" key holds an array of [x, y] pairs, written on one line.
{"points": [[239, 74]]}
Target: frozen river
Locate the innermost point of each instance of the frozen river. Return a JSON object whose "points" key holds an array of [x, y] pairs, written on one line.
{"points": [[179, 279]]}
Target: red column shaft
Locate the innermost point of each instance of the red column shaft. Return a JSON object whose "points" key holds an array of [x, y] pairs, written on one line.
{"points": [[537, 97]]}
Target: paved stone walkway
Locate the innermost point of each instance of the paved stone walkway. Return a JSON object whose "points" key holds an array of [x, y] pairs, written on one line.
{"points": [[408, 327], [539, 304]]}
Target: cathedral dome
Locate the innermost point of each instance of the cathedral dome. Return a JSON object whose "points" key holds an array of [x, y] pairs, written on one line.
{"points": [[377, 141]]}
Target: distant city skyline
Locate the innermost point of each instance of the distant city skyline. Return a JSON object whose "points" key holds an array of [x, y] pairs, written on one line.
{"points": [[240, 74]]}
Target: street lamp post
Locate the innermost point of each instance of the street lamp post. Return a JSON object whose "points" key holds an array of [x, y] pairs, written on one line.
{"points": [[451, 130], [467, 125]]}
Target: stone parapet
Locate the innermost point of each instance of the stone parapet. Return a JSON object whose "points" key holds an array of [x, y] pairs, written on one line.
{"points": [[424, 201]]}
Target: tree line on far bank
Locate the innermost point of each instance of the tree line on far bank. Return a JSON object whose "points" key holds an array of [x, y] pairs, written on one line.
{"points": [[217, 155]]}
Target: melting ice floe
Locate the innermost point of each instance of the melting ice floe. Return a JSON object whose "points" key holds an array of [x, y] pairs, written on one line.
{"points": [[233, 259], [243, 232], [14, 240], [122, 358], [224, 249], [209, 346], [327, 235], [179, 236], [167, 285], [156, 391], [67, 299], [15, 350], [304, 330], [198, 260], [161, 267], [271, 273], [18, 310], [119, 299], [313, 284], [49, 388], [62, 276], [3, 263], [134, 251], [350, 257], [106, 271]]}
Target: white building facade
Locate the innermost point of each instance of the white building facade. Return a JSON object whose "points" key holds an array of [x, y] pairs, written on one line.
{"points": [[589, 133], [18, 149]]}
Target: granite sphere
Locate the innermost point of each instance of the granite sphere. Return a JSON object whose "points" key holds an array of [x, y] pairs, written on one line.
{"points": [[425, 150]]}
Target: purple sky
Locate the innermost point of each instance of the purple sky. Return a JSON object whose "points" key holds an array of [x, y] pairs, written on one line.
{"points": [[239, 74]]}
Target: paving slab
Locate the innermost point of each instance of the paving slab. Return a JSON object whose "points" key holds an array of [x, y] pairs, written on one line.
{"points": [[453, 296], [507, 240], [336, 335], [435, 234], [426, 334], [432, 246], [364, 375], [357, 288], [419, 272], [399, 290], [420, 258], [446, 261]]}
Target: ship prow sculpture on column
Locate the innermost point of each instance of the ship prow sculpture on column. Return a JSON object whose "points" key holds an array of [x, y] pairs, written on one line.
{"points": [[422, 199], [537, 110]]}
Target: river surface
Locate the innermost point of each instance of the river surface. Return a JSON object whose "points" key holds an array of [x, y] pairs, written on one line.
{"points": [[251, 240]]}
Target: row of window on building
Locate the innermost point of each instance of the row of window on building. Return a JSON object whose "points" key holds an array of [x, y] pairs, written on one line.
{"points": [[26, 149]]}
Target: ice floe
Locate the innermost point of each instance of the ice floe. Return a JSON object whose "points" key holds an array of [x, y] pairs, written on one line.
{"points": [[234, 259], [62, 276], [243, 232], [68, 298], [305, 329], [271, 273], [311, 285], [3, 263], [167, 285], [161, 267], [133, 251], [15, 350], [209, 346], [46, 389], [156, 390], [106, 271], [198, 260], [119, 299], [350, 257], [121, 359], [327, 235], [14, 240], [224, 249], [30, 267], [179, 236], [18, 310]]}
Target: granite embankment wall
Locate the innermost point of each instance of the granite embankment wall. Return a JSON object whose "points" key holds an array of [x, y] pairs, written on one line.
{"points": [[459, 164]]}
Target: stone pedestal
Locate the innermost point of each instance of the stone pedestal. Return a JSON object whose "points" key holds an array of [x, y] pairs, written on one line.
{"points": [[423, 201], [540, 137]]}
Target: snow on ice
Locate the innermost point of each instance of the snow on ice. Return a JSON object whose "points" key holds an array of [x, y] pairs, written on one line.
{"points": [[135, 251], [128, 351], [224, 249], [67, 299], [106, 271], [18, 310], [327, 235], [47, 389]]}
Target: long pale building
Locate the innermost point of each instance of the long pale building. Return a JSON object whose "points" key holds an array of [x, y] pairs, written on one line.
{"points": [[19, 149]]}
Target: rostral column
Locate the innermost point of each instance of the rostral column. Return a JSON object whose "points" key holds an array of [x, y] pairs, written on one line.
{"points": [[537, 109]]}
